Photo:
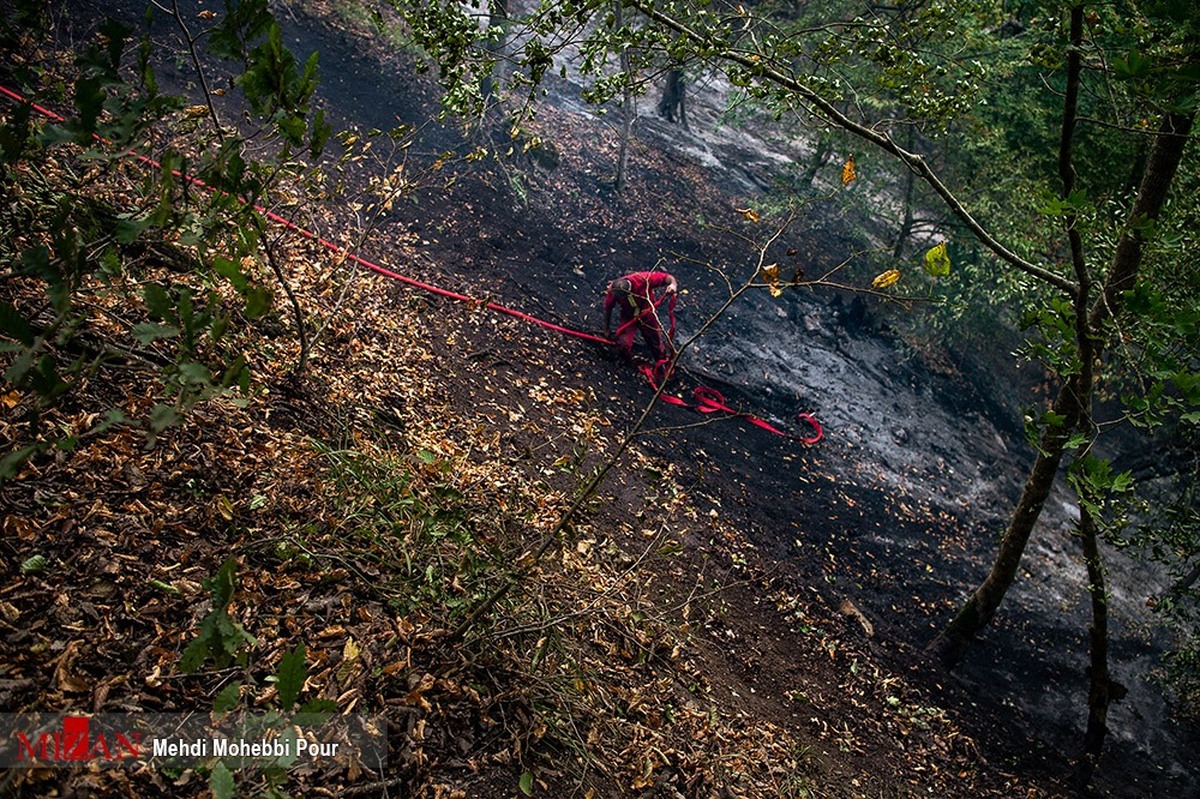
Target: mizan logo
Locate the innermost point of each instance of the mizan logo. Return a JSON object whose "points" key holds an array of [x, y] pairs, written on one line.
{"points": [[75, 743], [157, 740]]}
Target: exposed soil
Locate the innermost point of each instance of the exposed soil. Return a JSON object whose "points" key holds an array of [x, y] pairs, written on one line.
{"points": [[880, 528]]}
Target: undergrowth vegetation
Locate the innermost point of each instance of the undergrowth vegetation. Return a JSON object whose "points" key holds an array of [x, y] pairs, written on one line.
{"points": [[241, 521], [337, 525], [237, 473]]}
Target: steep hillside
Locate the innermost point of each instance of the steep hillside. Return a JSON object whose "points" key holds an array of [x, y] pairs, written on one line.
{"points": [[732, 614]]}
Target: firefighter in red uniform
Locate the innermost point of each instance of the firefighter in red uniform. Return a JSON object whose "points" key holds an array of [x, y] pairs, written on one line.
{"points": [[641, 309]]}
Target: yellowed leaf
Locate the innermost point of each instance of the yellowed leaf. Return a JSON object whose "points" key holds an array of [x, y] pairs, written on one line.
{"points": [[770, 276], [885, 279], [749, 213], [224, 507], [848, 173], [937, 261], [350, 654]]}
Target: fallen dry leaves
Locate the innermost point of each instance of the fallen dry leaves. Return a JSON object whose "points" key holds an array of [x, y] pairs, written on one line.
{"points": [[426, 452]]}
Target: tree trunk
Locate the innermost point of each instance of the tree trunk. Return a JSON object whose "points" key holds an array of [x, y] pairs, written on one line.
{"points": [[626, 136], [497, 19], [1102, 690], [1161, 167], [950, 645], [672, 104], [910, 183], [820, 157], [297, 312], [627, 113]]}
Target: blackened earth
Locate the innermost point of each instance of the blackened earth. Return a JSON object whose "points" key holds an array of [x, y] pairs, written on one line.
{"points": [[896, 509]]}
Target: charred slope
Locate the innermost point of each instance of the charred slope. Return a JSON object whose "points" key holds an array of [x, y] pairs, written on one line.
{"points": [[895, 511]]}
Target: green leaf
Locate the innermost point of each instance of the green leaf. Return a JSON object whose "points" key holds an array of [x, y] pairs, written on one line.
{"points": [[36, 261], [89, 101], [293, 670], [128, 231], [318, 709], [14, 135], [1052, 419], [321, 132], [245, 22], [228, 699], [221, 782], [293, 128], [20, 368], [1076, 441], [237, 373], [46, 380], [13, 324], [11, 463], [196, 653], [219, 327], [162, 417], [526, 783], [937, 261], [35, 564], [231, 271], [258, 301], [158, 302], [1131, 66], [149, 332], [195, 374], [223, 584], [163, 585], [185, 309], [220, 637]]}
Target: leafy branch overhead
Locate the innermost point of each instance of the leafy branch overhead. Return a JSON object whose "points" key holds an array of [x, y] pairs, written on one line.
{"points": [[171, 248]]}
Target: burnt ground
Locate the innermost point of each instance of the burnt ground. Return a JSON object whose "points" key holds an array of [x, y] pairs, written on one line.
{"points": [[892, 512]]}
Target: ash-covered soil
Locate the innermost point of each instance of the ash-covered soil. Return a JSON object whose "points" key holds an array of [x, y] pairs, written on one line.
{"points": [[893, 512]]}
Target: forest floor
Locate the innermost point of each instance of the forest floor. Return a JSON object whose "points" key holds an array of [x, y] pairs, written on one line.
{"points": [[736, 614]]}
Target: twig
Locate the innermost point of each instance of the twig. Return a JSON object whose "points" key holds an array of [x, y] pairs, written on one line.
{"points": [[374, 788], [190, 43], [297, 311]]}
